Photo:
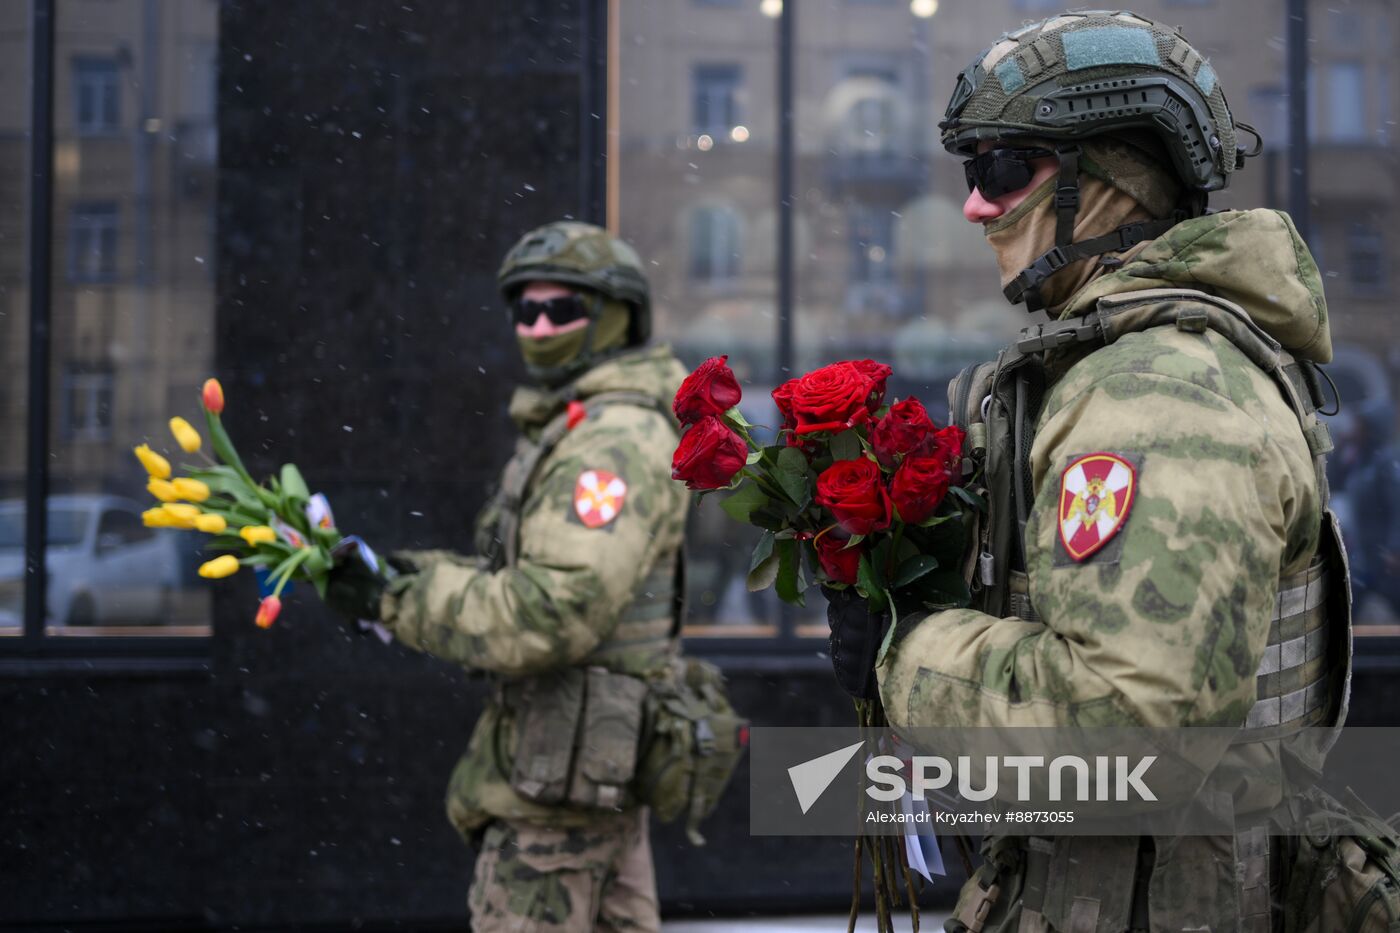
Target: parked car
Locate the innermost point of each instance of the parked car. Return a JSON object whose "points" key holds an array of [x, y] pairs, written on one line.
{"points": [[104, 566]]}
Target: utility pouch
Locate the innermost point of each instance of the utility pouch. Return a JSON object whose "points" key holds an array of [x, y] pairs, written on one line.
{"points": [[578, 731], [692, 745], [606, 757], [547, 709]]}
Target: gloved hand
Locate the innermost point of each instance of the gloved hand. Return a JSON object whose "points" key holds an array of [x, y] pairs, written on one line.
{"points": [[856, 636], [353, 589]]}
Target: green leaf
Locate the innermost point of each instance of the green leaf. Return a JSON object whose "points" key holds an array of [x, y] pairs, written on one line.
{"points": [[789, 590], [321, 581], [763, 565], [970, 497], [869, 584], [258, 560], [912, 569], [793, 476], [293, 485], [744, 501], [846, 446], [737, 417], [316, 563], [753, 457]]}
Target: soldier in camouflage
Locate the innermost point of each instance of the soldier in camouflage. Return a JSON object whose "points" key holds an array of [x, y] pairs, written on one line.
{"points": [[570, 603], [1158, 541]]}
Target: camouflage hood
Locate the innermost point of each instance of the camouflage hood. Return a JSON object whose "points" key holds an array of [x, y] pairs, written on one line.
{"points": [[1254, 258], [652, 371]]}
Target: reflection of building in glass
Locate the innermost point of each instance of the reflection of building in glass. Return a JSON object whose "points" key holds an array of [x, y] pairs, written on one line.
{"points": [[883, 263], [132, 308]]}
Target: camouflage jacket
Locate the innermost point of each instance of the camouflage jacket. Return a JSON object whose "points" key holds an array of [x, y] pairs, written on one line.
{"points": [[1226, 504], [585, 557], [1168, 625]]}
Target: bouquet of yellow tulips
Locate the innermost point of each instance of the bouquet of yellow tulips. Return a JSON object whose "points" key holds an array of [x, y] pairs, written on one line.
{"points": [[279, 527]]}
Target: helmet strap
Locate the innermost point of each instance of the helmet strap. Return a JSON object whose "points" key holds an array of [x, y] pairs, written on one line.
{"points": [[1067, 194], [1026, 286]]}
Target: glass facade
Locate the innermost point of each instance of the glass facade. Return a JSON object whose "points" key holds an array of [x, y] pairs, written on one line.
{"points": [[883, 264], [132, 308]]}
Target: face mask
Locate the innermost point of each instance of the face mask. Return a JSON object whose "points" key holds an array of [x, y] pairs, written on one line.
{"points": [[557, 358], [1028, 232]]}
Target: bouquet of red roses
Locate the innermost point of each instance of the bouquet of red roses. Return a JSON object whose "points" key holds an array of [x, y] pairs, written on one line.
{"points": [[853, 492]]}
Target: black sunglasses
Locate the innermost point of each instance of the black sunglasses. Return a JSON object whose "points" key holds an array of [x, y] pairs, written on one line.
{"points": [[562, 310], [999, 172]]}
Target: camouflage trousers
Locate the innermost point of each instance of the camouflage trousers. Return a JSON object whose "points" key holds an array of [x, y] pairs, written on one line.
{"points": [[538, 879]]}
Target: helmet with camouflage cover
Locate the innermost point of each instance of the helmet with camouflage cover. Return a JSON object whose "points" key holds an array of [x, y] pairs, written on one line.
{"points": [[1076, 76], [582, 255]]}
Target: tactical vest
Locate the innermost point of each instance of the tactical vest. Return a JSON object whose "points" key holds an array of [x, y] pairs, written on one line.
{"points": [[646, 635], [1304, 677]]}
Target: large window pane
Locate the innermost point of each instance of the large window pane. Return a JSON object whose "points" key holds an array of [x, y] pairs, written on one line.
{"points": [[133, 304], [697, 136], [884, 264], [14, 306]]}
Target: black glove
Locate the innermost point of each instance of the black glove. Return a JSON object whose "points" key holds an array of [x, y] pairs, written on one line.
{"points": [[856, 636], [353, 590]]}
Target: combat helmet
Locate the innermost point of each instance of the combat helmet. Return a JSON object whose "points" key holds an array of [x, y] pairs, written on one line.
{"points": [[1079, 75], [585, 256]]}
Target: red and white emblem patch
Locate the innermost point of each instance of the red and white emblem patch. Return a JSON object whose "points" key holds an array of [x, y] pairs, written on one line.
{"points": [[1096, 492], [598, 497]]}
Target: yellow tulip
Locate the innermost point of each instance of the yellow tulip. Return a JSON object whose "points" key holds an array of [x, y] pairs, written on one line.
{"points": [[257, 534], [162, 489], [182, 515], [155, 464], [211, 524], [156, 518], [219, 567], [190, 489], [186, 436]]}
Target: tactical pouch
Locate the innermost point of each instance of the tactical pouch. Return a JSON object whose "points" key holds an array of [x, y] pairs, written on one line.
{"points": [[1336, 879], [547, 709], [606, 757], [692, 744], [578, 732]]}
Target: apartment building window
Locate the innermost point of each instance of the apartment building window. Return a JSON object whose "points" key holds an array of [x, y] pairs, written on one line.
{"points": [[1366, 259], [96, 96], [872, 247], [1345, 116], [92, 243], [715, 99], [714, 244], [87, 404]]}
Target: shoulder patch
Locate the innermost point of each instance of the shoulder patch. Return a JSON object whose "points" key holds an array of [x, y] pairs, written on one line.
{"points": [[1096, 493], [598, 497]]}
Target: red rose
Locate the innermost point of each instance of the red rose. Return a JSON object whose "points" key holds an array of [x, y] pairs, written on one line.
{"points": [[840, 563], [903, 429], [710, 390], [834, 398], [918, 486], [945, 445], [878, 373], [782, 397], [852, 490], [709, 455]]}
